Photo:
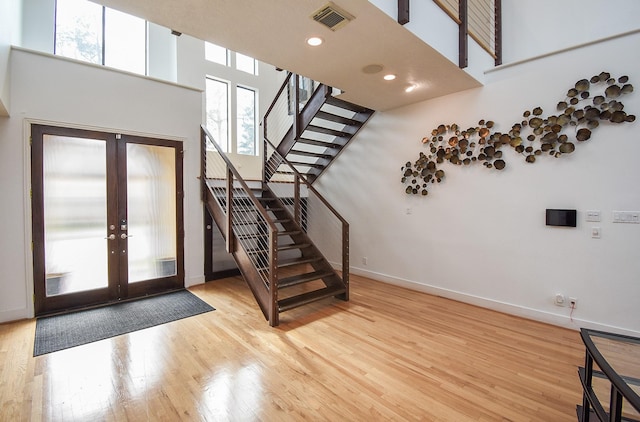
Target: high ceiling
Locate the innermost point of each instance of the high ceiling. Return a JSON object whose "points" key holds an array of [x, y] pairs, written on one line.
{"points": [[275, 32]]}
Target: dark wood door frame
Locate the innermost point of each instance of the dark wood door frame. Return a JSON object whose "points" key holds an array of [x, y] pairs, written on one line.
{"points": [[117, 195]]}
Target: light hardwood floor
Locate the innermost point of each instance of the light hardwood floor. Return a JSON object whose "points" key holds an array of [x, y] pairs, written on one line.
{"points": [[388, 354]]}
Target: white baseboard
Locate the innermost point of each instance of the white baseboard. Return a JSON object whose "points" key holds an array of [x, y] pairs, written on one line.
{"points": [[192, 281], [507, 308], [15, 314]]}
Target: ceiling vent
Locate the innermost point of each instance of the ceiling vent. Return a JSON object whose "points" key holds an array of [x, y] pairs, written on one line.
{"points": [[332, 17]]}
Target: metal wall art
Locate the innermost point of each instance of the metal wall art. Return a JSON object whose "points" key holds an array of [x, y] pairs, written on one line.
{"points": [[586, 105]]}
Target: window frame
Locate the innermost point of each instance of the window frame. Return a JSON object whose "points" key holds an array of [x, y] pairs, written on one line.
{"points": [[104, 40], [256, 149], [229, 144]]}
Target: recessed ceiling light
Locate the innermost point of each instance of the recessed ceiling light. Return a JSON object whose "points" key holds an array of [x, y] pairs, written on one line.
{"points": [[314, 41], [410, 88], [389, 77]]}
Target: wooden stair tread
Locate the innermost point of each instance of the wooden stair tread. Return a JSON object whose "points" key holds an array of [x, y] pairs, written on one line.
{"points": [[328, 131], [347, 105], [310, 154], [337, 119], [305, 298], [320, 143], [292, 246], [298, 261], [257, 235], [299, 163], [303, 278], [288, 247]]}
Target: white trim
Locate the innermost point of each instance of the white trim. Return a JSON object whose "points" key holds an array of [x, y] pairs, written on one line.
{"points": [[193, 281], [29, 311], [561, 51], [103, 67], [15, 315], [507, 308], [31, 121], [28, 221]]}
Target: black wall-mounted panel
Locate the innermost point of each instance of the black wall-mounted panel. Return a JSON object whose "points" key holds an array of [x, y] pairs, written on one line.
{"points": [[563, 218]]}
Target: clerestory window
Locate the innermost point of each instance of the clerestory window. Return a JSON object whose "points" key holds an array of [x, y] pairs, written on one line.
{"points": [[97, 34]]}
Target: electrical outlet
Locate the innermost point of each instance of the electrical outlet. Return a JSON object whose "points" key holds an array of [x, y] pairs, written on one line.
{"points": [[365, 260], [573, 302], [559, 299]]}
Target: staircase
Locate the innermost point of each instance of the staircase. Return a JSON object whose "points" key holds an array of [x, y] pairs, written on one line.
{"points": [[317, 125], [285, 237]]}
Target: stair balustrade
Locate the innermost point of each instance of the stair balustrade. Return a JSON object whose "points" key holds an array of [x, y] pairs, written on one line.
{"points": [[271, 230], [249, 232], [289, 242], [328, 230]]}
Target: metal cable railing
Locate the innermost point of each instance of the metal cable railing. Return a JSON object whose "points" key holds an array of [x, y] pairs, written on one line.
{"points": [[483, 19], [244, 215], [317, 218], [281, 115]]}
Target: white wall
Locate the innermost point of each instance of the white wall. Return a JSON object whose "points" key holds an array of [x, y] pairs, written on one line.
{"points": [[530, 27], [161, 53], [480, 236], [10, 12], [66, 92], [431, 24], [536, 27]]}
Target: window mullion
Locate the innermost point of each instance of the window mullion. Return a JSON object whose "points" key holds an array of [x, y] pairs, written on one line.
{"points": [[103, 34]]}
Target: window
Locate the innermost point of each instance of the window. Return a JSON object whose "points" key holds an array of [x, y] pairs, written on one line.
{"points": [[215, 53], [79, 30], [246, 121], [232, 111], [217, 106], [125, 41], [93, 33], [246, 64]]}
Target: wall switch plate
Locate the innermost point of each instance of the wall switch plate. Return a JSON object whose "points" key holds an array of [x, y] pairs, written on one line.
{"points": [[626, 217], [593, 215]]}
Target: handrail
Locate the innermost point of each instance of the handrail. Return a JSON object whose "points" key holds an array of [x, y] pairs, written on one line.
{"points": [[299, 178], [616, 380], [275, 99], [306, 182], [458, 11], [263, 284], [239, 178]]}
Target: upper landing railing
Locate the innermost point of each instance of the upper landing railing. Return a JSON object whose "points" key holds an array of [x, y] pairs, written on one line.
{"points": [[479, 19]]}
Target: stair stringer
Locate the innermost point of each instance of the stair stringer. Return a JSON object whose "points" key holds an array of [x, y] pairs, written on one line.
{"points": [[246, 267], [268, 303], [312, 112], [312, 250]]}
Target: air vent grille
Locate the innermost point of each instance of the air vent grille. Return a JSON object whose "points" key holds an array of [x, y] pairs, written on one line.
{"points": [[332, 17]]}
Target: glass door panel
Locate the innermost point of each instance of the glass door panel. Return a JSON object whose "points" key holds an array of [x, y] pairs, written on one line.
{"points": [[75, 214], [107, 217], [151, 210]]}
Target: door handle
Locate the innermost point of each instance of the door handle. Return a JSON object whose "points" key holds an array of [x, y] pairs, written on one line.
{"points": [[124, 236], [111, 237]]}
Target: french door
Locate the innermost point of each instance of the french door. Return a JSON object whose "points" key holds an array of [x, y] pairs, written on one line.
{"points": [[107, 217]]}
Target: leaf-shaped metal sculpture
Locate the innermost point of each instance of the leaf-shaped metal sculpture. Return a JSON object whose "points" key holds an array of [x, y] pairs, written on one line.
{"points": [[587, 104]]}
